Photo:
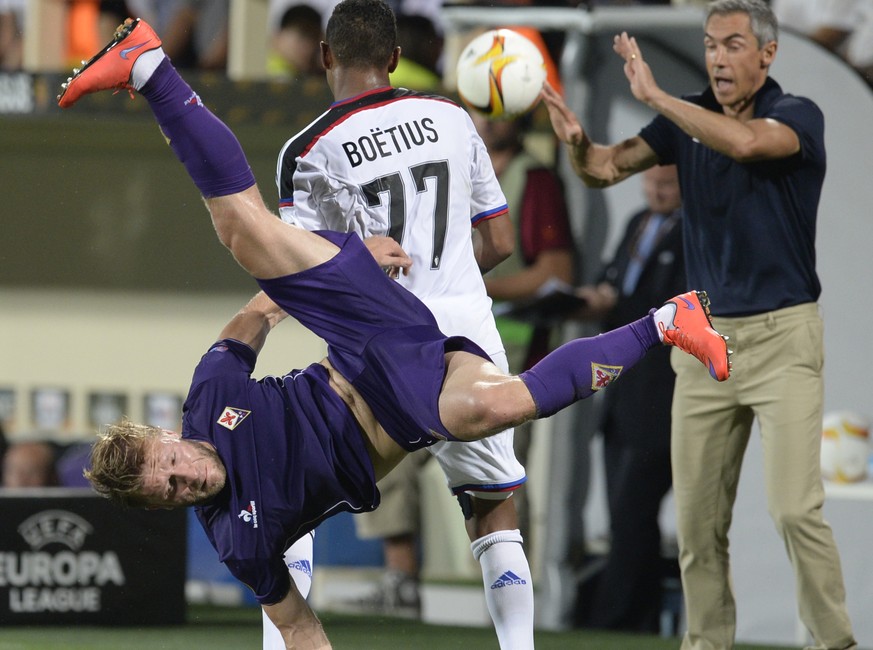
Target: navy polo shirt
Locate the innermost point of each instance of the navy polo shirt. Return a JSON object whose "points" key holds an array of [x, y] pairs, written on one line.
{"points": [[749, 228]]}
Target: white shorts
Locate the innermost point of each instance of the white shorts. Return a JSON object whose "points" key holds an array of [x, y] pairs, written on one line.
{"points": [[487, 468]]}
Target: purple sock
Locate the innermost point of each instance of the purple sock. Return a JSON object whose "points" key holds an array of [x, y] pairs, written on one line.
{"points": [[578, 369], [209, 150]]}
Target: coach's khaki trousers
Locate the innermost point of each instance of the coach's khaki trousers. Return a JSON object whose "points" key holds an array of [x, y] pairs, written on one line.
{"points": [[776, 378]]}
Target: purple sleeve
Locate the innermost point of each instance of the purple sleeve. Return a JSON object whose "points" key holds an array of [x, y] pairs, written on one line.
{"points": [[224, 357]]}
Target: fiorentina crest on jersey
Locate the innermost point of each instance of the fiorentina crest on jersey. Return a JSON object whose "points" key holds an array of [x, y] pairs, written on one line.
{"points": [[603, 375], [231, 417]]}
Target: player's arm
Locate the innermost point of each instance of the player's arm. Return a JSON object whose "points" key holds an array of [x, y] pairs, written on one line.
{"points": [[596, 164], [758, 139], [556, 263], [252, 323], [493, 241], [743, 141], [546, 241], [298, 624]]}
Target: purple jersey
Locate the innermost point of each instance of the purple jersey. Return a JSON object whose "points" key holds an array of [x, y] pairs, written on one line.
{"points": [[294, 456], [293, 451]]}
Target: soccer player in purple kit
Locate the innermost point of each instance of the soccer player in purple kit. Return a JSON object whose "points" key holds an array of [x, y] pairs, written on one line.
{"points": [[264, 461]]}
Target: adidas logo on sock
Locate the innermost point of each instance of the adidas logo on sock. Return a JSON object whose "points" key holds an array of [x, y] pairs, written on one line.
{"points": [[304, 566], [507, 580]]}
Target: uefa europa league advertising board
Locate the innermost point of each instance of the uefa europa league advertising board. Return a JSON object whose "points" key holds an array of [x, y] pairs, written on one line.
{"points": [[70, 557]]}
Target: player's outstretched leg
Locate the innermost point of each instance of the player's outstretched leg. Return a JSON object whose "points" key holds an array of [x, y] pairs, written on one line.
{"points": [[209, 151], [579, 368], [576, 370], [135, 60]]}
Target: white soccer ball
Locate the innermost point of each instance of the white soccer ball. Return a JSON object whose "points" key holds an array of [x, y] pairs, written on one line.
{"points": [[845, 447], [500, 74]]}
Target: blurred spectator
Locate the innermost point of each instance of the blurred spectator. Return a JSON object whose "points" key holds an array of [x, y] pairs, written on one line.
{"points": [[83, 25], [71, 462], [29, 464], [843, 26], [296, 49], [4, 445], [194, 32], [796, 15], [11, 34], [112, 14], [628, 3], [90, 24], [647, 268], [421, 47]]}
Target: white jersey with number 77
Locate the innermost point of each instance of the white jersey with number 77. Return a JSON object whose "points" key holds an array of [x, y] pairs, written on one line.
{"points": [[410, 166]]}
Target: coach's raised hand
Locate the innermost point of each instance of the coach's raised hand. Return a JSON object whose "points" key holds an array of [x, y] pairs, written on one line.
{"points": [[564, 121], [638, 73]]}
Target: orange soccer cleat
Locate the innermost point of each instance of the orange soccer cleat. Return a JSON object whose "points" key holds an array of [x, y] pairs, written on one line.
{"points": [[111, 66], [691, 331]]}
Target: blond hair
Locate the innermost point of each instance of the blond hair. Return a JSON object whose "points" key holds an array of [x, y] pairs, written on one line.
{"points": [[117, 460]]}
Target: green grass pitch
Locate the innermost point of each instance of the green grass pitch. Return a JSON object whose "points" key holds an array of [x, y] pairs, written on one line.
{"points": [[212, 628]]}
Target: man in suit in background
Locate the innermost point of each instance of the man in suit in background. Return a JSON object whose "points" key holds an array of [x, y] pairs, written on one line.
{"points": [[648, 265]]}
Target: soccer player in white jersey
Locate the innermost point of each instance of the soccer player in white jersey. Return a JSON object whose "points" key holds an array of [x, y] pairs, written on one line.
{"points": [[386, 161]]}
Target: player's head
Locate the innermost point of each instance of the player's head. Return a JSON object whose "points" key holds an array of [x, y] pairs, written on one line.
{"points": [[298, 37], [740, 40], [362, 34], [136, 465]]}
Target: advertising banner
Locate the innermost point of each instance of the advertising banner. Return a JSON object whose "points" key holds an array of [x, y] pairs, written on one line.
{"points": [[68, 556]]}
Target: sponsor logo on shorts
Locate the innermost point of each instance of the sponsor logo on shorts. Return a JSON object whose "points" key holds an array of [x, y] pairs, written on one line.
{"points": [[231, 417], [508, 579], [249, 515], [603, 375]]}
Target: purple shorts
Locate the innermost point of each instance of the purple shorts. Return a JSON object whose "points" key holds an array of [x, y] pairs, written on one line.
{"points": [[380, 337]]}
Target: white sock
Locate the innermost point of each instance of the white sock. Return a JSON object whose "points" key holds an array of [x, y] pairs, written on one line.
{"points": [[508, 587], [298, 559], [664, 319], [145, 66]]}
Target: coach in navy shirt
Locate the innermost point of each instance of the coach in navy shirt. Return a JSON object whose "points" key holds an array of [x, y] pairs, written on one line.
{"points": [[751, 161]]}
